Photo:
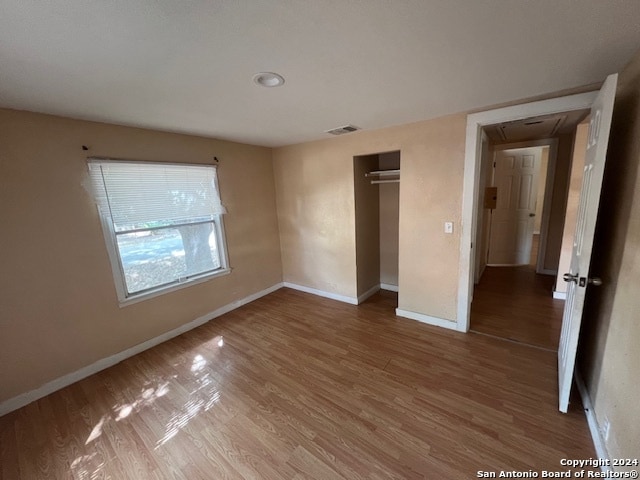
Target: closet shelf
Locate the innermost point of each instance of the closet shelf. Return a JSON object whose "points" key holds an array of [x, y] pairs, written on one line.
{"points": [[382, 173]]}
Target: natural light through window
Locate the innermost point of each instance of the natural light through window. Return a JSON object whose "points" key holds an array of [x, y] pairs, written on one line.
{"points": [[163, 223], [204, 393]]}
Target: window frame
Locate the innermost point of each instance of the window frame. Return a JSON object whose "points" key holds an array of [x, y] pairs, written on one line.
{"points": [[111, 241]]}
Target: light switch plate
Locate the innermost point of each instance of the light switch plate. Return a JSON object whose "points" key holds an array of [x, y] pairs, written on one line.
{"points": [[448, 227]]}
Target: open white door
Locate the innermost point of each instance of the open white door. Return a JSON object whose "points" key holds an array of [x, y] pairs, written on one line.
{"points": [[578, 275]]}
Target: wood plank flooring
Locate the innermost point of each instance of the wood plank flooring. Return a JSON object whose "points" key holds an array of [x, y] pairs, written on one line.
{"points": [[517, 304], [294, 386]]}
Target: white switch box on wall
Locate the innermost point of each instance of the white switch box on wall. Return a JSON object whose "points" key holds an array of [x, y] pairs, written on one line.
{"points": [[448, 227]]}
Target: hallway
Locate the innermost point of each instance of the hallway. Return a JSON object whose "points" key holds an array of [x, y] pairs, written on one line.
{"points": [[516, 303]]}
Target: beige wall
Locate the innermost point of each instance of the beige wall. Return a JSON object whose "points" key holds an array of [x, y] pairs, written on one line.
{"points": [[59, 310], [610, 344], [389, 221], [316, 217], [314, 186], [575, 184], [367, 212]]}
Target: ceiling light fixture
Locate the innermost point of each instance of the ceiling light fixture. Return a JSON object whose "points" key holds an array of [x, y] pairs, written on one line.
{"points": [[268, 79]]}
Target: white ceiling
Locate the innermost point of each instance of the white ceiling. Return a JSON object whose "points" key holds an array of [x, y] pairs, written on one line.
{"points": [[187, 65]]}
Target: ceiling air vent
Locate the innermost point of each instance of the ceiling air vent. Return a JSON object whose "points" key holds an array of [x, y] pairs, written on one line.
{"points": [[342, 130]]}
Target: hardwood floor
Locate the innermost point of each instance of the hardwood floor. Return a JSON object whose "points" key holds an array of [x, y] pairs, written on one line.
{"points": [[294, 386], [517, 304]]}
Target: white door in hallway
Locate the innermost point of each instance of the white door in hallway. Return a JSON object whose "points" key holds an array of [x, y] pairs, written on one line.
{"points": [[578, 275], [516, 176]]}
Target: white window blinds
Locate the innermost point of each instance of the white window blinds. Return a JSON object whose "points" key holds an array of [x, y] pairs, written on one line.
{"points": [[138, 195]]}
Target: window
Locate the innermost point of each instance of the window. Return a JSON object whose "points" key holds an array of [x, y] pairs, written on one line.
{"points": [[162, 224]]}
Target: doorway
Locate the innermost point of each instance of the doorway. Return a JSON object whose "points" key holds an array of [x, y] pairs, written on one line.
{"points": [[520, 228], [471, 182], [600, 104]]}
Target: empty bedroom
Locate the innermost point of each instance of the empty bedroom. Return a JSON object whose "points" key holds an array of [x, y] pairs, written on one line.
{"points": [[241, 240]]}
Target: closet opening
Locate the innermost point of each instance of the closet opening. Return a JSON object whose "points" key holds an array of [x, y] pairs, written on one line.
{"points": [[377, 205]]}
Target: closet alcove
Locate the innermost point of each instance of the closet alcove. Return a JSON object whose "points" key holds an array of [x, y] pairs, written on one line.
{"points": [[377, 201]]}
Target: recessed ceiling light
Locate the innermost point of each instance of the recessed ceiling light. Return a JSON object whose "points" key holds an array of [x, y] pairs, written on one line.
{"points": [[268, 79]]}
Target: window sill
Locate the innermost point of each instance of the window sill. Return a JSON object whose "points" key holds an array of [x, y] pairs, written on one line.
{"points": [[124, 302]]}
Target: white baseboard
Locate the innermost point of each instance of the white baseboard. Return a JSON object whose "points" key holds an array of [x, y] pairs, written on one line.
{"points": [[438, 322], [66, 380], [559, 295], [321, 293], [342, 298], [372, 291], [389, 287], [592, 421]]}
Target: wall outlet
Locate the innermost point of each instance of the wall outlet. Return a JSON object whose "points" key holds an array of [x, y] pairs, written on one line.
{"points": [[606, 429], [448, 227]]}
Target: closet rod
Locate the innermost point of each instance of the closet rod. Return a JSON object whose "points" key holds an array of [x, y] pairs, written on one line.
{"points": [[373, 182]]}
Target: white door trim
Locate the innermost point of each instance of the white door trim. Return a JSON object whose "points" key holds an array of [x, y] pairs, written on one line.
{"points": [[475, 122]]}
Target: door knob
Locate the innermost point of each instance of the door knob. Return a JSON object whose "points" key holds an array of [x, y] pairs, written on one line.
{"points": [[532, 214], [567, 277], [595, 281]]}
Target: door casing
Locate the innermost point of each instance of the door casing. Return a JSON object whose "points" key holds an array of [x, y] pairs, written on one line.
{"points": [[473, 154]]}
